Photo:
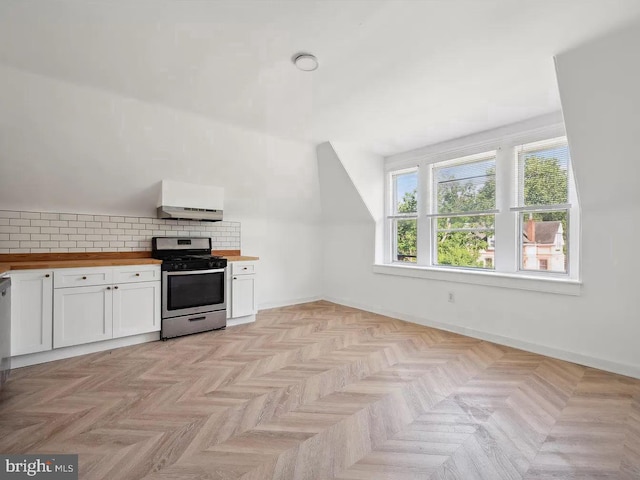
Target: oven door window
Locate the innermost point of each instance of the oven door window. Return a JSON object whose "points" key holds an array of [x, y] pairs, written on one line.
{"points": [[196, 290]]}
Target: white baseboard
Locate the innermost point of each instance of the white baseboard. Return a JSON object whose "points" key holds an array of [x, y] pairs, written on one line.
{"points": [[68, 352], [586, 360], [233, 322], [288, 303]]}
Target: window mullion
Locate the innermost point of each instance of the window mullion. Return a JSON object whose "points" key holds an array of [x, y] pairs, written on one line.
{"points": [[424, 206], [506, 253]]}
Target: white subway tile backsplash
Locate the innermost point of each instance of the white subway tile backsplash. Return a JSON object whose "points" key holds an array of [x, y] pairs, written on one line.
{"points": [[19, 236], [30, 244], [20, 222], [40, 232]]}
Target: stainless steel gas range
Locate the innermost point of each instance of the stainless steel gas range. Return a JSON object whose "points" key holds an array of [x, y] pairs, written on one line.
{"points": [[193, 286]]}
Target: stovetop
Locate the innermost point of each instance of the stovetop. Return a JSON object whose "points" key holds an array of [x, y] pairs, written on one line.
{"points": [[193, 262], [185, 253]]}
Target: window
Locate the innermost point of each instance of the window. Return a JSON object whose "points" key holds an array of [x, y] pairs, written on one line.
{"points": [[543, 205], [463, 215], [404, 214], [507, 205]]}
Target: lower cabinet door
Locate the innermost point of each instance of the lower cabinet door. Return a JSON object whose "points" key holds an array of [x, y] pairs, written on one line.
{"points": [[31, 311], [136, 308], [82, 315], [242, 295]]}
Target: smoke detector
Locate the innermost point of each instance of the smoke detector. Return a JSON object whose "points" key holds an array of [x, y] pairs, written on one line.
{"points": [[305, 62]]}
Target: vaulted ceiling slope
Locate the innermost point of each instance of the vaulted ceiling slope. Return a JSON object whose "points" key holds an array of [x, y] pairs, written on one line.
{"points": [[394, 74]]}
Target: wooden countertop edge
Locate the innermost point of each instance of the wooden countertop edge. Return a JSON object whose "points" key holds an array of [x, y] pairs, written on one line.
{"points": [[111, 262], [78, 263]]}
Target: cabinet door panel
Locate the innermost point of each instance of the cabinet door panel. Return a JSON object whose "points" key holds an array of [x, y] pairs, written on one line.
{"points": [[136, 308], [82, 315], [31, 312], [242, 295]]}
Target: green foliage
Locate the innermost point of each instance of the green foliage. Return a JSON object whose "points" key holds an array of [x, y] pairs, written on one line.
{"points": [[408, 229], [460, 249]]}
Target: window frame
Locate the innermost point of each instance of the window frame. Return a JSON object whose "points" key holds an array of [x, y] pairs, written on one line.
{"points": [[434, 215], [520, 209], [392, 217], [507, 261]]}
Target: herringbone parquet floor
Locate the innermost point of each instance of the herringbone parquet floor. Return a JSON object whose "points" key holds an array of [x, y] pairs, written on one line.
{"points": [[320, 391]]}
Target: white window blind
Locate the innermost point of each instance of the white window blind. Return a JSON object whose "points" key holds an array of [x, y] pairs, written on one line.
{"points": [[543, 176]]}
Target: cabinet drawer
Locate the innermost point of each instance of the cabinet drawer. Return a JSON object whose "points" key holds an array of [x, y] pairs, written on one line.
{"points": [[136, 273], [243, 268], [82, 277]]}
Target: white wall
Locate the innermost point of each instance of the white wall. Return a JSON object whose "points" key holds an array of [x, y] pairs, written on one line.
{"points": [[69, 148], [601, 327]]}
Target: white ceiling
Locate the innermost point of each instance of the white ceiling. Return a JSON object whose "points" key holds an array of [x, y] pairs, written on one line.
{"points": [[394, 74]]}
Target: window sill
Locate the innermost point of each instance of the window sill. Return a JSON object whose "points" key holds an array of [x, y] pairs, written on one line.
{"points": [[561, 286]]}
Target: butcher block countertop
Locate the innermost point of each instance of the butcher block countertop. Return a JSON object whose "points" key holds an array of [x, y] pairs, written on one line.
{"points": [[31, 261], [240, 258]]}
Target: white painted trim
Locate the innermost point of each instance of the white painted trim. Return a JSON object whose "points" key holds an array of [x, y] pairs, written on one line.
{"points": [[586, 360], [551, 125], [234, 322], [288, 303], [76, 350], [547, 284]]}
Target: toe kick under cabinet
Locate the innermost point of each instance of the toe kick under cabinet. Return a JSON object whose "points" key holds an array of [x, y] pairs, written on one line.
{"points": [[95, 304]]}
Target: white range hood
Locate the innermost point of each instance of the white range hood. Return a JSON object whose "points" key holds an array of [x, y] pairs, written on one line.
{"points": [[190, 201]]}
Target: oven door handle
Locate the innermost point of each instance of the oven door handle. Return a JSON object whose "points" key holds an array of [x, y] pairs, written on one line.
{"points": [[196, 272]]}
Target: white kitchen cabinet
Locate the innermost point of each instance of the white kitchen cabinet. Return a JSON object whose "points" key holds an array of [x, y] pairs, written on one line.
{"points": [[82, 315], [31, 311], [243, 289], [106, 309], [136, 308]]}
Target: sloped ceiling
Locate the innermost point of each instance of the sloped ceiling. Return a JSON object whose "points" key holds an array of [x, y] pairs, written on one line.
{"points": [[394, 74]]}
